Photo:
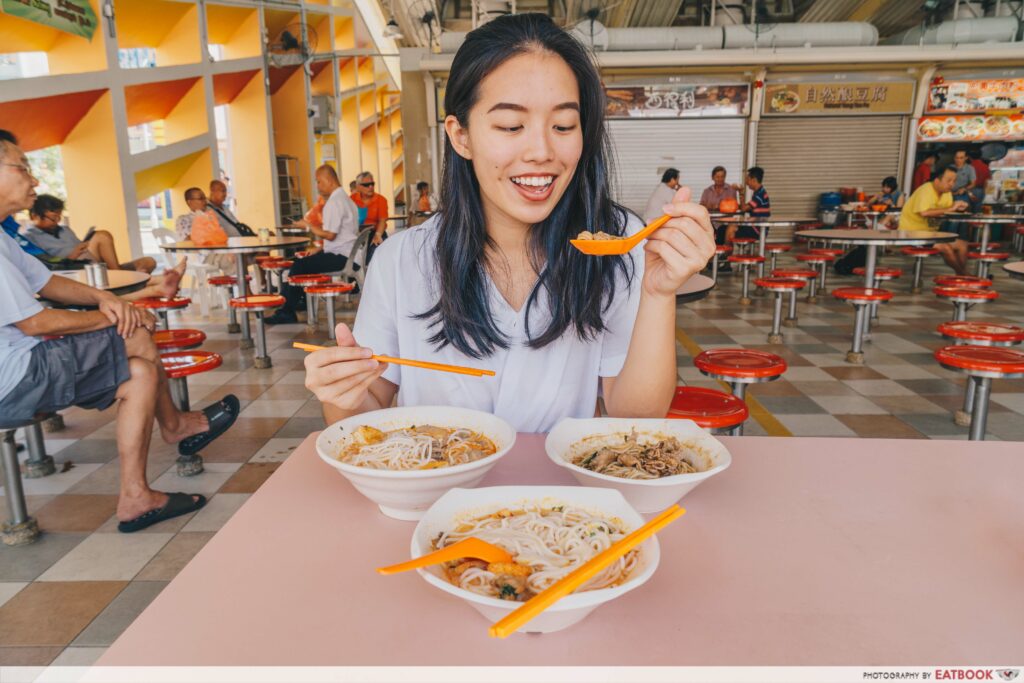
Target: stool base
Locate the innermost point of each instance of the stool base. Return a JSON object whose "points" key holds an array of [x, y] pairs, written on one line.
{"points": [[774, 338], [962, 418], [261, 362], [312, 329], [855, 357], [789, 322], [36, 469], [234, 328], [189, 465], [20, 534], [746, 301], [54, 423], [246, 344], [811, 299]]}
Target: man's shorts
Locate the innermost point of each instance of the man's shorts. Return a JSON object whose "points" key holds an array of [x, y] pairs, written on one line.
{"points": [[82, 370]]}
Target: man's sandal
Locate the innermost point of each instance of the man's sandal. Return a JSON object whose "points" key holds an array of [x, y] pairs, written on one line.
{"points": [[221, 416], [177, 504]]}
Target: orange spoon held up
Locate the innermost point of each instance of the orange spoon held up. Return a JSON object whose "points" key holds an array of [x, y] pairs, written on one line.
{"points": [[470, 548], [617, 246]]}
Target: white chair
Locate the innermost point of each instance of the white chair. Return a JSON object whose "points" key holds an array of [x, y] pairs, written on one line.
{"points": [[197, 270]]}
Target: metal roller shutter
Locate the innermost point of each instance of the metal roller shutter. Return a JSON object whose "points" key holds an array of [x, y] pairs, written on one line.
{"points": [[645, 148], [803, 157]]}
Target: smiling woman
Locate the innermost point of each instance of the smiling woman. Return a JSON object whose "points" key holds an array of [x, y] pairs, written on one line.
{"points": [[492, 277]]}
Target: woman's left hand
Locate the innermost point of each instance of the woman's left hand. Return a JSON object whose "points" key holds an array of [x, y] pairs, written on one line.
{"points": [[681, 248]]}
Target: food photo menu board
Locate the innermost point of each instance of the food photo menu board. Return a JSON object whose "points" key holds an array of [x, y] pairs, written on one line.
{"points": [[970, 128], [956, 97], [838, 98], [676, 101]]}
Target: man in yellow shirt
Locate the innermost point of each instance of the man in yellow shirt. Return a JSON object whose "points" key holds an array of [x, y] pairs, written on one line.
{"points": [[929, 203]]}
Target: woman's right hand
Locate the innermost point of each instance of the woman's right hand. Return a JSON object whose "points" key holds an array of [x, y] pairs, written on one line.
{"points": [[341, 376]]}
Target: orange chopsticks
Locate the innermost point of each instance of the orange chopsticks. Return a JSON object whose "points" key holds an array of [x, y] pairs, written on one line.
{"points": [[583, 573], [458, 369]]}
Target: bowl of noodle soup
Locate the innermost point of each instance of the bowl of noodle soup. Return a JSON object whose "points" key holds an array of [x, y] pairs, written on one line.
{"points": [[549, 530], [652, 462], [405, 458]]}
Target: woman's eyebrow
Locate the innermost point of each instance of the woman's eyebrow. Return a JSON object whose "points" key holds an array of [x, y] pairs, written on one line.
{"points": [[518, 107]]}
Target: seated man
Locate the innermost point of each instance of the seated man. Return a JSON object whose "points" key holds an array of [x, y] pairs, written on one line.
{"points": [[759, 205], [376, 206], [96, 358], [339, 232], [927, 205], [217, 203], [196, 200], [45, 231]]}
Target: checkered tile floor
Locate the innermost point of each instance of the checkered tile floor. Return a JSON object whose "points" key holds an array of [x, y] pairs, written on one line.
{"points": [[66, 598]]}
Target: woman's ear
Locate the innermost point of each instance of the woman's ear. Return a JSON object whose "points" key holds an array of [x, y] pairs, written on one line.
{"points": [[459, 136]]}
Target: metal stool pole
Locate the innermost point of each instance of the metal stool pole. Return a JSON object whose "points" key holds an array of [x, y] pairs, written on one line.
{"points": [[745, 297], [979, 414], [791, 319], [39, 464], [19, 529], [262, 360], [331, 316], [775, 337], [856, 353], [915, 287]]}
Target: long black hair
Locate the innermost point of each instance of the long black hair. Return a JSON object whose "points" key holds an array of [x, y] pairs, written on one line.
{"points": [[578, 288]]}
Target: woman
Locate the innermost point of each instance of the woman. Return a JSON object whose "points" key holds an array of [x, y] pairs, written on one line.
{"points": [[492, 281], [890, 194]]}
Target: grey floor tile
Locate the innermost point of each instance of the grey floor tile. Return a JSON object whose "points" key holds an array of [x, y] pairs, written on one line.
{"points": [[27, 563], [78, 656], [87, 450], [300, 427], [930, 386], [849, 405], [934, 425], [878, 387], [8, 589], [121, 612], [790, 405], [107, 557], [815, 425]]}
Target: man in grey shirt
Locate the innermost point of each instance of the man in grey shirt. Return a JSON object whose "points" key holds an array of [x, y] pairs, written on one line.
{"points": [[966, 178]]}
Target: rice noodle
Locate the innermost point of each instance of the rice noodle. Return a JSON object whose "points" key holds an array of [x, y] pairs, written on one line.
{"points": [[416, 447], [632, 458]]}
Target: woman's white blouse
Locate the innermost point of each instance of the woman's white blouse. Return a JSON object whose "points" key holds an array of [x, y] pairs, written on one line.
{"points": [[532, 388]]}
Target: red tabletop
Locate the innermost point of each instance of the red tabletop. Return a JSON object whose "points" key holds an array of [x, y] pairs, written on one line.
{"points": [[178, 339], [709, 408], [162, 302], [919, 251], [862, 294], [978, 331], [746, 258], [996, 359], [258, 301], [962, 281], [780, 283], [179, 364], [806, 551], [742, 363], [966, 293], [804, 273]]}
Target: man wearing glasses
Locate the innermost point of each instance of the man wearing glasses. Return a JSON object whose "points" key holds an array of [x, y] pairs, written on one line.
{"points": [[376, 209]]}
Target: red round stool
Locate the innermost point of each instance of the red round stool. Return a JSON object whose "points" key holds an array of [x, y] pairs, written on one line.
{"points": [[774, 250], [275, 268], [963, 298], [259, 304], [230, 284], [861, 298], [982, 364], [820, 263], [329, 293], [745, 262], [740, 367], [179, 365], [807, 275], [780, 285], [978, 334], [711, 409], [919, 254], [1018, 237], [834, 253], [962, 281], [305, 281], [743, 245], [720, 250], [178, 340], [976, 246], [984, 258], [161, 305], [882, 274]]}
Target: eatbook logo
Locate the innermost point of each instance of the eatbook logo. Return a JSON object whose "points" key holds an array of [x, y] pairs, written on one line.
{"points": [[1009, 674]]}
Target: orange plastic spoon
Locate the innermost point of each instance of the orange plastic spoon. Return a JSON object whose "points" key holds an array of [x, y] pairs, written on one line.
{"points": [[617, 247], [467, 547]]}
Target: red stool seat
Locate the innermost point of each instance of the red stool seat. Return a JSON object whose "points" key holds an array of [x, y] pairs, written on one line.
{"points": [[162, 303], [862, 294], [258, 301], [743, 240], [313, 279], [739, 363], [919, 251], [977, 245], [827, 252], [225, 280], [962, 281], [881, 273], [983, 332], [180, 339], [277, 264], [815, 258], [723, 249], [184, 363], [260, 260], [746, 258], [709, 408], [778, 248], [966, 293], [1020, 229], [802, 273], [988, 255], [779, 283], [996, 360], [331, 289]]}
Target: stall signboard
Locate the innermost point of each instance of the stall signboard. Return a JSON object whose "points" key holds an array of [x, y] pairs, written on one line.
{"points": [[838, 98], [1003, 126], [71, 16], [976, 96], [672, 101]]}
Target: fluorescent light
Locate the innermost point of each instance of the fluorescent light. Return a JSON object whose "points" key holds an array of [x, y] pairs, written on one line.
{"points": [[392, 31]]}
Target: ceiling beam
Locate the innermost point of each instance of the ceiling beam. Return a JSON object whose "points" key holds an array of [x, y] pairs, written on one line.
{"points": [[866, 10]]}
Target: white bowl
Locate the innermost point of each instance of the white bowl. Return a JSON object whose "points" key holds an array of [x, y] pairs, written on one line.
{"points": [[406, 494], [646, 495], [570, 609]]}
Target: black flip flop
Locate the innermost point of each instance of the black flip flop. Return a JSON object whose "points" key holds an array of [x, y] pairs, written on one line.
{"points": [[221, 415], [177, 504]]}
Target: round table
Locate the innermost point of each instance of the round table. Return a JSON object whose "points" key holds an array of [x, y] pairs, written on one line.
{"points": [[118, 281], [694, 289], [872, 239], [984, 220], [762, 235], [239, 246], [873, 215], [1015, 270]]}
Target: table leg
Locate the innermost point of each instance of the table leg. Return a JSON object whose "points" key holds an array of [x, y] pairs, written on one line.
{"points": [[982, 266], [240, 290], [762, 239], [869, 282]]}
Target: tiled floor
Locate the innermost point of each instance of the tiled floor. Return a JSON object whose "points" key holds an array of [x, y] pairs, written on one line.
{"points": [[67, 597]]}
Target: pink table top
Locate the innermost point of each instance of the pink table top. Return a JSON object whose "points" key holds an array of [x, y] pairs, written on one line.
{"points": [[805, 552]]}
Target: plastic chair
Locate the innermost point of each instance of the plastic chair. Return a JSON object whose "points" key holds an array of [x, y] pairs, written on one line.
{"points": [[178, 340]]}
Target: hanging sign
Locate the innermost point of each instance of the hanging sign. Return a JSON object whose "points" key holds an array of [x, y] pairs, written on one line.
{"points": [[976, 96], [970, 128], [838, 98], [670, 101], [71, 16]]}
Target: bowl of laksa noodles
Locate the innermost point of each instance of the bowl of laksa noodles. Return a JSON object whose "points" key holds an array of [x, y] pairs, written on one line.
{"points": [[549, 531], [653, 463], [405, 458]]}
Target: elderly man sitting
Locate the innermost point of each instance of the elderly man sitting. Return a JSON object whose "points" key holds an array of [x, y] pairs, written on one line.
{"points": [[51, 359]]}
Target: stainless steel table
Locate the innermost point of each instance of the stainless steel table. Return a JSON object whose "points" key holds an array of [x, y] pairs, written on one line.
{"points": [[119, 282], [1015, 270], [762, 226], [985, 221], [694, 289], [873, 215]]}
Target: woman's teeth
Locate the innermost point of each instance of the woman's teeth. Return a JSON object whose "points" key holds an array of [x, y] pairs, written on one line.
{"points": [[534, 181]]}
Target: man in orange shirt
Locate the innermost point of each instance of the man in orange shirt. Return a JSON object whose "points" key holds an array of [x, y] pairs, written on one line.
{"points": [[375, 204]]}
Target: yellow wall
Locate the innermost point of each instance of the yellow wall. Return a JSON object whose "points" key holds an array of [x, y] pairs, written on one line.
{"points": [[349, 152], [181, 45], [198, 174], [292, 128], [92, 171], [252, 182], [188, 118], [235, 28]]}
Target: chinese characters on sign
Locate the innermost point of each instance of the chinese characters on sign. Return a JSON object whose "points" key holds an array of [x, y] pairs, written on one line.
{"points": [[839, 98], [675, 101], [976, 96]]}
